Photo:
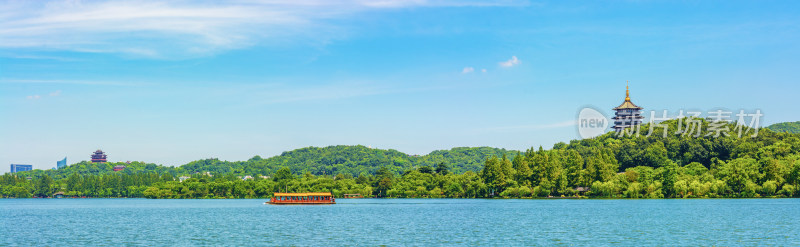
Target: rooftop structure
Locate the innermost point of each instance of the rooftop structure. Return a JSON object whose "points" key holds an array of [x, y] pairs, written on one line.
{"points": [[119, 168], [351, 196], [99, 156], [61, 163], [20, 168], [627, 114]]}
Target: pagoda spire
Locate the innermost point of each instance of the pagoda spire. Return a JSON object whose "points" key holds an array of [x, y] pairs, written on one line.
{"points": [[627, 92]]}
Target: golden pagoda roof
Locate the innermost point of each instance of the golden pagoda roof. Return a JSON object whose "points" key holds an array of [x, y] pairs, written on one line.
{"points": [[627, 104]]}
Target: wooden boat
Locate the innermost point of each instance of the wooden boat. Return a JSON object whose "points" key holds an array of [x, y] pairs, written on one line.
{"points": [[303, 198]]}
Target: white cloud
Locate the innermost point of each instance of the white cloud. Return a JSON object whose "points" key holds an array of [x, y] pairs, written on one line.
{"points": [[35, 57], [170, 29], [467, 70], [483, 70], [36, 96], [511, 62]]}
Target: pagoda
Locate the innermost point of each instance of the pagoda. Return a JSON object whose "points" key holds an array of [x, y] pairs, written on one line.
{"points": [[627, 114], [99, 156]]}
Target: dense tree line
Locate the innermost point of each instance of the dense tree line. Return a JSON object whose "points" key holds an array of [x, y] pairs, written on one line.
{"points": [[675, 165], [76, 185], [656, 166]]}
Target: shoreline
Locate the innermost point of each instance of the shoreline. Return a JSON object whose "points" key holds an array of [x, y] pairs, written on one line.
{"points": [[428, 198]]}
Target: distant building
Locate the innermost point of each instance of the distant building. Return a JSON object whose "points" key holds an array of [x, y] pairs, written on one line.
{"points": [[627, 114], [182, 178], [352, 196], [20, 168], [119, 168], [61, 163], [99, 156]]}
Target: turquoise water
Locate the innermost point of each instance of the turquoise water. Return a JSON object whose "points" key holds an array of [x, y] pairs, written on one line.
{"points": [[423, 222]]}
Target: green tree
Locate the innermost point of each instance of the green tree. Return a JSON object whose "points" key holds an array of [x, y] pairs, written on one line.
{"points": [[426, 169], [493, 175], [283, 174], [442, 169], [523, 170], [740, 172], [668, 178], [44, 186]]}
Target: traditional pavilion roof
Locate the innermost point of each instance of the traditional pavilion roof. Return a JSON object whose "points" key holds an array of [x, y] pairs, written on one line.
{"points": [[627, 104]]}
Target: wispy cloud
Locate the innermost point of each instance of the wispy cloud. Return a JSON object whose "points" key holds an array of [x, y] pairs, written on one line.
{"points": [[72, 82], [511, 62], [467, 70], [35, 57], [177, 29], [51, 94]]}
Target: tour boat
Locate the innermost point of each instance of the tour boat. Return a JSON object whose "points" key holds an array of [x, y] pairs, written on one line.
{"points": [[303, 198]]}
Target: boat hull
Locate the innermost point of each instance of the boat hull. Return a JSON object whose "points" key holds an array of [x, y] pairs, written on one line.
{"points": [[300, 203]]}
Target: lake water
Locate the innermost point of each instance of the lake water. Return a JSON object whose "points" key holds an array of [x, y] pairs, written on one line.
{"points": [[422, 222]]}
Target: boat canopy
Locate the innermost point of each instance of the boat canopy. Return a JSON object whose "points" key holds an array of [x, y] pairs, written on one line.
{"points": [[304, 194]]}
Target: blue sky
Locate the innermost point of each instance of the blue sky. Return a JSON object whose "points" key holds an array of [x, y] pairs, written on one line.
{"points": [[179, 81]]}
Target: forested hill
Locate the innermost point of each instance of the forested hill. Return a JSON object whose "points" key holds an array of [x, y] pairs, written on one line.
{"points": [[791, 127], [462, 159], [354, 160], [331, 160]]}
